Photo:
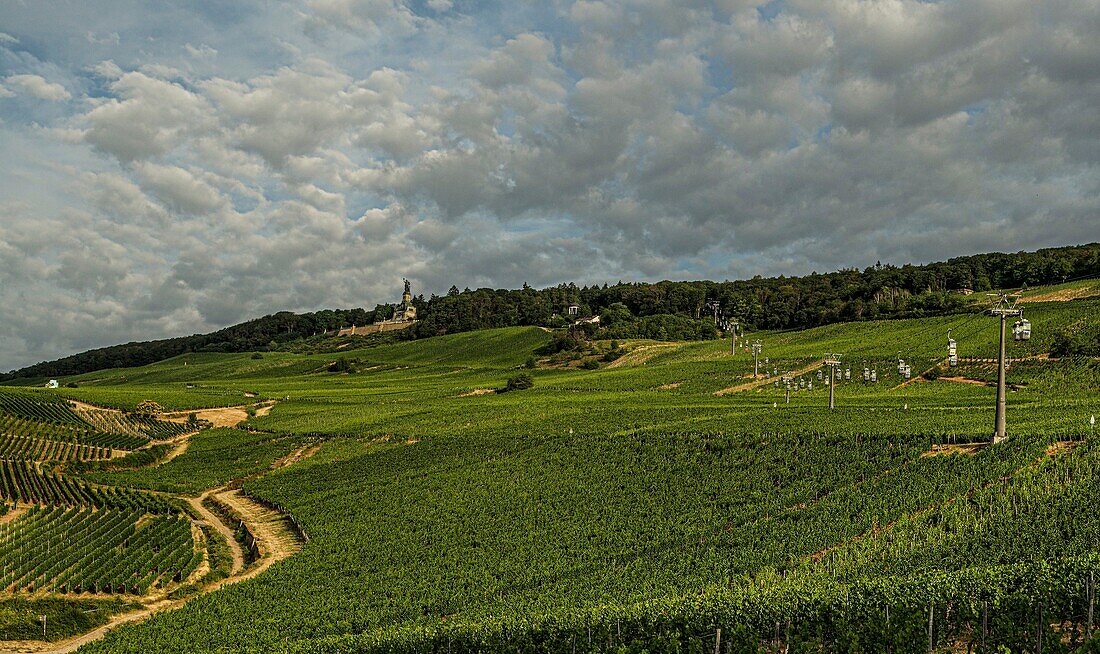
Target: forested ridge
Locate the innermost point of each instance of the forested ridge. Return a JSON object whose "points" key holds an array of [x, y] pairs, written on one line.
{"points": [[661, 310]]}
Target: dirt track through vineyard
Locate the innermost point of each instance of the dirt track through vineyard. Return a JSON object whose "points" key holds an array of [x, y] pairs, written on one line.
{"points": [[273, 531], [639, 356], [756, 383]]}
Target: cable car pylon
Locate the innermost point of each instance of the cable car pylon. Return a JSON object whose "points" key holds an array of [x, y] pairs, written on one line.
{"points": [[1004, 305]]}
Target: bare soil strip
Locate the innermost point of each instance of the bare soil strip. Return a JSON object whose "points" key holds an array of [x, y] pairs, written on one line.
{"points": [[964, 380], [946, 449], [13, 514], [297, 455], [229, 416], [478, 391], [84, 406], [638, 356], [756, 383], [1063, 295], [1060, 447], [274, 532], [265, 409], [210, 518]]}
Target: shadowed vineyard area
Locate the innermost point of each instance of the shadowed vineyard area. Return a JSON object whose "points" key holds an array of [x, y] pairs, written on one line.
{"points": [[659, 499]]}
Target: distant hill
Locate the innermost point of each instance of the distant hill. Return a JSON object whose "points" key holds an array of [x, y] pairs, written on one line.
{"points": [[662, 310]]}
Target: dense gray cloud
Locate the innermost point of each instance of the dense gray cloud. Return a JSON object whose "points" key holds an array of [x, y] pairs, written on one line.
{"points": [[170, 171]]}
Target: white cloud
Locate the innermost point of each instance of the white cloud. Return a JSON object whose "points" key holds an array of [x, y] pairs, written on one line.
{"points": [[37, 86], [203, 51], [148, 117], [180, 190]]}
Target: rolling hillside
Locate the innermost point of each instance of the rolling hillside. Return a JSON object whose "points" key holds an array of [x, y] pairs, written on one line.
{"points": [[642, 506]]}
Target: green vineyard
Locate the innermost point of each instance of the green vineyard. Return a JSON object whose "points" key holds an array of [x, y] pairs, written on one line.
{"points": [[24, 482], [37, 449], [83, 435], [140, 427], [97, 551], [39, 406]]}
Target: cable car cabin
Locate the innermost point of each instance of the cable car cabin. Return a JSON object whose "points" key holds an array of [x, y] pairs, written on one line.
{"points": [[866, 374], [874, 376], [908, 371], [901, 367], [847, 374], [1021, 331], [952, 360]]}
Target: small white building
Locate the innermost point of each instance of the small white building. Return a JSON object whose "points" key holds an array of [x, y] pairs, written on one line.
{"points": [[51, 384]]}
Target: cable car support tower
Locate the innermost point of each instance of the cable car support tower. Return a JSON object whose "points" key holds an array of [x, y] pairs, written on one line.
{"points": [[1004, 305], [832, 360]]}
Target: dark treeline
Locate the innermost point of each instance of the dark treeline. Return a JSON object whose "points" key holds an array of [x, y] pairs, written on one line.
{"points": [[662, 310], [260, 333]]}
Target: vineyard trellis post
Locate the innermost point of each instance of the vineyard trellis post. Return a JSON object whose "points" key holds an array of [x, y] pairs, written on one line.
{"points": [[931, 613], [1039, 630], [985, 622], [1092, 599], [717, 640]]}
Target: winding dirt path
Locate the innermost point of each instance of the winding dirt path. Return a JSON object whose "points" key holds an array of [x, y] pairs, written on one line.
{"points": [[274, 533], [756, 383], [963, 380], [214, 521], [639, 355]]}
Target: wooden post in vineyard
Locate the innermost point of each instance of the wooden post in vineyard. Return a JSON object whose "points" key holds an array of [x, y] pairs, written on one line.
{"points": [[888, 645], [931, 610], [1039, 630], [1092, 599], [985, 622], [717, 640]]}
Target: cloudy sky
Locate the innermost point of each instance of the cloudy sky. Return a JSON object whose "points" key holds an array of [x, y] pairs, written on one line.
{"points": [[173, 167]]}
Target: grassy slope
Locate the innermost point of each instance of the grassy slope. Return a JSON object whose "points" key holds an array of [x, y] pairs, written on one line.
{"points": [[213, 458], [20, 619], [610, 487]]}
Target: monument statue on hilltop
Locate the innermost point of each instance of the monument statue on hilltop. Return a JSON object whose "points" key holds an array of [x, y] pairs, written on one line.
{"points": [[406, 312], [403, 317]]}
